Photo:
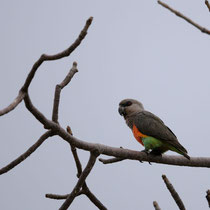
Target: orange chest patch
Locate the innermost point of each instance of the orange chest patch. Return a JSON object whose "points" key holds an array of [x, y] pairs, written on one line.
{"points": [[138, 135]]}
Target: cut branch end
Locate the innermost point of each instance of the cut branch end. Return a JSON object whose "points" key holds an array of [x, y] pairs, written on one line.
{"points": [[208, 197], [156, 206]]}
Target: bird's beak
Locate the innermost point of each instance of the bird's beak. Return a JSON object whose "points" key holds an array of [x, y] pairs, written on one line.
{"points": [[121, 110]]}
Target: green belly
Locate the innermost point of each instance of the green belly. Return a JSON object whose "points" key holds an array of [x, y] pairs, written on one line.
{"points": [[151, 143]]}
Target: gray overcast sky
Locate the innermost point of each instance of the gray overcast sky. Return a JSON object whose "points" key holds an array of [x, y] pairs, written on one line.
{"points": [[134, 49]]}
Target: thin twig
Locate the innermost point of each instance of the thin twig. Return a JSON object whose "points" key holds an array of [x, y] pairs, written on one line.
{"points": [[156, 206], [179, 14], [111, 160], [58, 89], [37, 64], [27, 153], [75, 155], [207, 4], [208, 197], [77, 161], [174, 194], [56, 197], [80, 182], [62, 197]]}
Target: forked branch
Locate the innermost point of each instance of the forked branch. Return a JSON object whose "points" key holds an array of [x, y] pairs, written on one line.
{"points": [[57, 56], [85, 190], [81, 181], [37, 64]]}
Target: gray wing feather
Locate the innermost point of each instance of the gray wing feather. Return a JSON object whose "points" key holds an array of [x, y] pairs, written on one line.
{"points": [[151, 125]]}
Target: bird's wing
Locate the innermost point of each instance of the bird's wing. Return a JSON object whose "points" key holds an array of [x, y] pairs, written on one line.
{"points": [[151, 125]]}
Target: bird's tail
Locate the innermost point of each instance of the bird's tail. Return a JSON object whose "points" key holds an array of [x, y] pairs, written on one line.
{"points": [[185, 155], [181, 150]]}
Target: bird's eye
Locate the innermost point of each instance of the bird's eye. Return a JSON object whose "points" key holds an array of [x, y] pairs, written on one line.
{"points": [[128, 103]]}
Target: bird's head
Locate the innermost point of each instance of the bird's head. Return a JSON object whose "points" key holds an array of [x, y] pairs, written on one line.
{"points": [[129, 107]]}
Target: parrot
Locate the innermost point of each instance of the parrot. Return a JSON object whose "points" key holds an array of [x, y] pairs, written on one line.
{"points": [[149, 130]]}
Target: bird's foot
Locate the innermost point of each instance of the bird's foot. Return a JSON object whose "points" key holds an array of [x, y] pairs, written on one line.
{"points": [[156, 153], [147, 152]]}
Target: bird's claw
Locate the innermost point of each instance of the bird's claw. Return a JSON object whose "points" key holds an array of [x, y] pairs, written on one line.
{"points": [[147, 153]]}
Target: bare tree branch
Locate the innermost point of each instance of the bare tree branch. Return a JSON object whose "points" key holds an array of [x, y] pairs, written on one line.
{"points": [[27, 153], [57, 197], [80, 182], [58, 89], [75, 155], [17, 100], [155, 204], [207, 4], [111, 151], [85, 190], [179, 14], [38, 63], [77, 161], [208, 197], [60, 55], [174, 194], [111, 160], [165, 159], [93, 198], [62, 197]]}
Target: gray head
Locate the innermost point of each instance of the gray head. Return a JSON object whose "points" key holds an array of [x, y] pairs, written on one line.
{"points": [[129, 107]]}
